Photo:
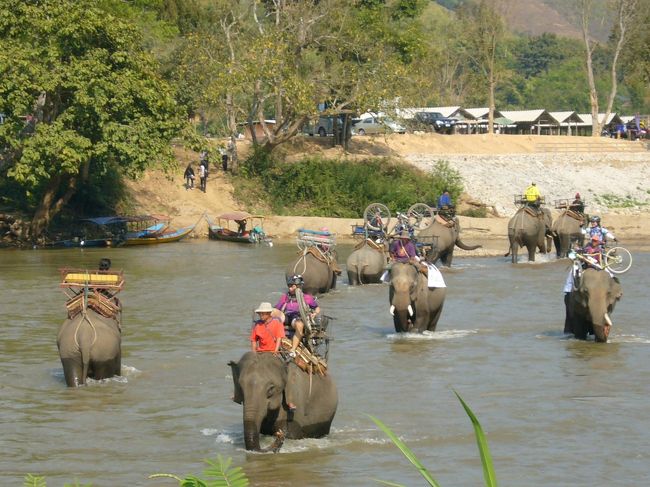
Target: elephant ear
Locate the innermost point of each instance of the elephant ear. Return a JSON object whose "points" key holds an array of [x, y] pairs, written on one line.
{"points": [[239, 393]]}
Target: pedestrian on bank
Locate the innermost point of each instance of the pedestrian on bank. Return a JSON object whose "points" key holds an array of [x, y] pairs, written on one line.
{"points": [[202, 177], [189, 177]]}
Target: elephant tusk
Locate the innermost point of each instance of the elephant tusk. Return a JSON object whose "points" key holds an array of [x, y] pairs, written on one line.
{"points": [[410, 308], [608, 320], [392, 310]]}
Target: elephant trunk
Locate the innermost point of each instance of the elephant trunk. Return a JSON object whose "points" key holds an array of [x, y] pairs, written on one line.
{"points": [[251, 436], [600, 319], [461, 245]]}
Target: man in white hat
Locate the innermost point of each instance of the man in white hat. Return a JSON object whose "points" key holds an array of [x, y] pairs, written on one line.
{"points": [[267, 332]]}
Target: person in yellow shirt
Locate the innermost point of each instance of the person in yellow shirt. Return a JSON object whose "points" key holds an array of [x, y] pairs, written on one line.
{"points": [[533, 195]]}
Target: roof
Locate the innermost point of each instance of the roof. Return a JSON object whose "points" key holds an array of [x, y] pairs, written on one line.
{"points": [[110, 220], [527, 116], [483, 113], [588, 120], [237, 215], [566, 117]]}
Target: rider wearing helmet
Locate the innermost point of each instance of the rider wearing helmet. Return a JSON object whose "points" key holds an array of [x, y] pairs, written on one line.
{"points": [[289, 309], [596, 230]]}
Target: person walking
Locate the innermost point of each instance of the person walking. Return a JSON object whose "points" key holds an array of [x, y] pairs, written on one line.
{"points": [[189, 177], [202, 177]]}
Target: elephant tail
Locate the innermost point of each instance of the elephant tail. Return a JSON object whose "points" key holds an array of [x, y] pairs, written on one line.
{"points": [[359, 273]]}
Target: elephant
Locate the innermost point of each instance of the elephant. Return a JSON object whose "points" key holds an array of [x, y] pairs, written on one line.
{"points": [[265, 384], [530, 230], [567, 229], [590, 303], [443, 239], [90, 346], [366, 263], [318, 270], [413, 304]]}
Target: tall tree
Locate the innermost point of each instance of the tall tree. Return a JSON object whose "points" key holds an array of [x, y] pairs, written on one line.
{"points": [[625, 12], [484, 34], [81, 96]]}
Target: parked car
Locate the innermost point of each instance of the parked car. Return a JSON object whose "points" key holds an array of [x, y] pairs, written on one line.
{"points": [[324, 126], [377, 125], [436, 121]]}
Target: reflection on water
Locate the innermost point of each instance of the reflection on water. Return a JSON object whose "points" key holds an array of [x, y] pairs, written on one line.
{"points": [[544, 399]]}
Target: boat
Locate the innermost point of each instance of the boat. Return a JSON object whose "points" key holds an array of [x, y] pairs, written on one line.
{"points": [[239, 226], [142, 229]]}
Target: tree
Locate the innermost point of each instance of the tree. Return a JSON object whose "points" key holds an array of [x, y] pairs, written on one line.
{"points": [[625, 11], [484, 33], [81, 97]]}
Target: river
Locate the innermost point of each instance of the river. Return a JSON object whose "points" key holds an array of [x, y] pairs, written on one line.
{"points": [[556, 411]]}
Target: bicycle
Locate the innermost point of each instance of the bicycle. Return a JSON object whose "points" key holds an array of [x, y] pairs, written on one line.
{"points": [[616, 259]]}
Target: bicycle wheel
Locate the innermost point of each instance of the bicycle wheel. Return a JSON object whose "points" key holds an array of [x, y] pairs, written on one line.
{"points": [[376, 217], [618, 260], [420, 216]]}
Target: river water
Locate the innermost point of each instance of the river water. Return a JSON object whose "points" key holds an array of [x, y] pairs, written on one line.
{"points": [[556, 411]]}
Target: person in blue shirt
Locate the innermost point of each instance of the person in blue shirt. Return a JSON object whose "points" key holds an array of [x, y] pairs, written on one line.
{"points": [[444, 201]]}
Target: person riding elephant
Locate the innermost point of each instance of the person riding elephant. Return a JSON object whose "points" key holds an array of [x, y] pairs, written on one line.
{"points": [[366, 263], [590, 303], [89, 346], [531, 230], [319, 274], [263, 382], [413, 305], [567, 230], [443, 238]]}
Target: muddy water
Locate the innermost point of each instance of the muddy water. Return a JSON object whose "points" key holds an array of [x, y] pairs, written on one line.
{"points": [[556, 411]]}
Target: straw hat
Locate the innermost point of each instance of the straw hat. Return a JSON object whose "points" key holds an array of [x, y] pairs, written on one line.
{"points": [[264, 308], [404, 234]]}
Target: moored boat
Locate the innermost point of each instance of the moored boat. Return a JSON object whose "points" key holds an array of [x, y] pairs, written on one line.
{"points": [[249, 228]]}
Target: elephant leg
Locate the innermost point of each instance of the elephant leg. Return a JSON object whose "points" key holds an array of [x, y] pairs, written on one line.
{"points": [[353, 278], [433, 320], [447, 258], [567, 316], [514, 250], [105, 370], [531, 252], [73, 372]]}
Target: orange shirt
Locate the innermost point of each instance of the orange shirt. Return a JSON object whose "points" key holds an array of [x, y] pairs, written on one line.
{"points": [[266, 334]]}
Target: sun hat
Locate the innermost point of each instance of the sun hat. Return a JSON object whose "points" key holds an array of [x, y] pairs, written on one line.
{"points": [[577, 196], [404, 234], [595, 238], [264, 308]]}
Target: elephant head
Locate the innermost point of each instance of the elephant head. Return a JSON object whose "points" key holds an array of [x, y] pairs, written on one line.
{"points": [[318, 270], [592, 302], [403, 285], [259, 380]]}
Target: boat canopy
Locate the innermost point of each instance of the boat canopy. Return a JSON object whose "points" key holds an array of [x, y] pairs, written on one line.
{"points": [[237, 215], [111, 220]]}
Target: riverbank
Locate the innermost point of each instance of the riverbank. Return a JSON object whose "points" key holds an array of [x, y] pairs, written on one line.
{"points": [[494, 169]]}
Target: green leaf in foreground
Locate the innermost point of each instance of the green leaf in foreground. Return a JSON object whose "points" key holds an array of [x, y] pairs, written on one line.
{"points": [[219, 474], [406, 451], [483, 448]]}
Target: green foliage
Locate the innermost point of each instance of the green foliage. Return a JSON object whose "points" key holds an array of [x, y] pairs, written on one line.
{"points": [[484, 450], [614, 201], [91, 96], [475, 212], [324, 187], [219, 474], [37, 481]]}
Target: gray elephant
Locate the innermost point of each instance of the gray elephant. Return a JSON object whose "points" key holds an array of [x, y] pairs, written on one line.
{"points": [[413, 304], [590, 303], [89, 346], [567, 229], [529, 229], [265, 384], [319, 271], [443, 238], [366, 263]]}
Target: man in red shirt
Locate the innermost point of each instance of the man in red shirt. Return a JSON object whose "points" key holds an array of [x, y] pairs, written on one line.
{"points": [[267, 332]]}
